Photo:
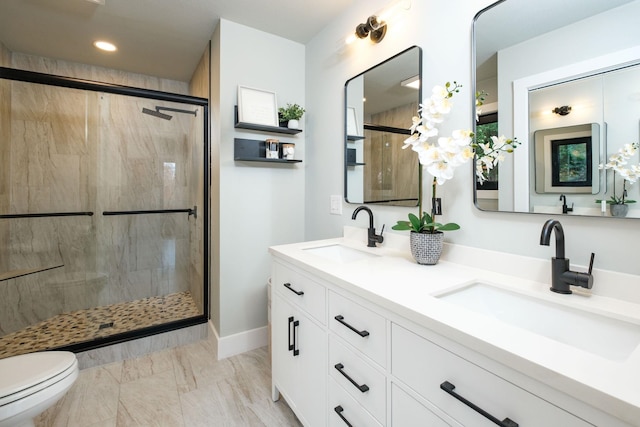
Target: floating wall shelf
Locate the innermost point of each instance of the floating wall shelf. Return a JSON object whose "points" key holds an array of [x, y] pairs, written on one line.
{"points": [[354, 138], [264, 128], [253, 150]]}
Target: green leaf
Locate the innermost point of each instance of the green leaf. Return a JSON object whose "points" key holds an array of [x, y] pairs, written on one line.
{"points": [[449, 227], [415, 222], [402, 226]]}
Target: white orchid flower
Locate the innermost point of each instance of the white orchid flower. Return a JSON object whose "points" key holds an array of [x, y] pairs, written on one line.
{"points": [[417, 121], [441, 171], [428, 154], [498, 142], [412, 140]]}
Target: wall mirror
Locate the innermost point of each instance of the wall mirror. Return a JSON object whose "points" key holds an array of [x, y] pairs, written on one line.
{"points": [[379, 105], [567, 85]]}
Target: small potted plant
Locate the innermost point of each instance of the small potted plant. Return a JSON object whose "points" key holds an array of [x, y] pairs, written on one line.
{"points": [[291, 114], [426, 239]]}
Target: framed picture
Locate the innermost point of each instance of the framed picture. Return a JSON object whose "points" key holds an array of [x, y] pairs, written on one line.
{"points": [[352, 122], [257, 106], [571, 162], [567, 159]]}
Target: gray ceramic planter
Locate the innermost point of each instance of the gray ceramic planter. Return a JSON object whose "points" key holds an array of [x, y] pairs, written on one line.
{"points": [[426, 247], [619, 210]]}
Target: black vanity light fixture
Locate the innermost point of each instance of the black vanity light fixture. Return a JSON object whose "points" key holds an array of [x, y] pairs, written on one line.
{"points": [[375, 28], [376, 25], [562, 111]]}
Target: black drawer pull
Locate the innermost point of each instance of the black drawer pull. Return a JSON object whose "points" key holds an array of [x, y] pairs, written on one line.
{"points": [[339, 410], [288, 286], [291, 345], [296, 351], [363, 388], [340, 318], [448, 387]]}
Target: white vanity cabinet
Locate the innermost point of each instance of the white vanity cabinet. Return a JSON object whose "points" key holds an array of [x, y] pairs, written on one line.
{"points": [[299, 345], [346, 359]]}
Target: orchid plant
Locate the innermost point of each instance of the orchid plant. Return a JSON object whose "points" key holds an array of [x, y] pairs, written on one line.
{"points": [[618, 163], [442, 157]]}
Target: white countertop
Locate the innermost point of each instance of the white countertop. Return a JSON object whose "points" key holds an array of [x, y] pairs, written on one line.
{"points": [[395, 281]]}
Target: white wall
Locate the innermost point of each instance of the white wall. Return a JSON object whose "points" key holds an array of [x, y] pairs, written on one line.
{"points": [[442, 29], [260, 204]]}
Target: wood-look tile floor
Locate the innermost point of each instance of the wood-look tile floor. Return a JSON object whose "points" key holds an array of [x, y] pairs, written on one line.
{"points": [[184, 386]]}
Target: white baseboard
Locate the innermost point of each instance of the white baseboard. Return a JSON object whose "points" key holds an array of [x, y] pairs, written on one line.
{"points": [[241, 342]]}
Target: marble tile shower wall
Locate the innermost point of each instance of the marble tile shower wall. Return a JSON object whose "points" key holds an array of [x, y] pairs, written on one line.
{"points": [[73, 150], [5, 124]]}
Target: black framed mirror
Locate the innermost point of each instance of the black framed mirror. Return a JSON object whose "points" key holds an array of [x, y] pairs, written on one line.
{"points": [[379, 105], [550, 83]]}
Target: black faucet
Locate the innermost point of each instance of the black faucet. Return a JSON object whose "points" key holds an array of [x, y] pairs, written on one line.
{"points": [[561, 275], [372, 237], [565, 208]]}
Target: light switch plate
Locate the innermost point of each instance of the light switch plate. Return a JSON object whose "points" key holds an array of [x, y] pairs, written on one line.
{"points": [[336, 205]]}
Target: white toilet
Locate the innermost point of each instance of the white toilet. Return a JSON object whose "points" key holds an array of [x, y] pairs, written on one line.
{"points": [[31, 383]]}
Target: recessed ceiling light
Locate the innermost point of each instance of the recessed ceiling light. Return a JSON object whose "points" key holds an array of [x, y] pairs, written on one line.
{"points": [[412, 82], [106, 46]]}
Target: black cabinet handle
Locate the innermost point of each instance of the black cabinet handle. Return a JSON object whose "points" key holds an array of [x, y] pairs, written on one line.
{"points": [[448, 387], [363, 388], [291, 345], [339, 410], [340, 318], [296, 351], [288, 286]]}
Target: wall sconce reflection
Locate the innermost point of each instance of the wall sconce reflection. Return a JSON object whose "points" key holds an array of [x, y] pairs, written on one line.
{"points": [[562, 111]]}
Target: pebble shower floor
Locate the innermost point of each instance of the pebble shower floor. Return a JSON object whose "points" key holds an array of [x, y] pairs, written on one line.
{"points": [[98, 322]]}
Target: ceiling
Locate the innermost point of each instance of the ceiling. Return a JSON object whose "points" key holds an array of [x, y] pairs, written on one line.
{"points": [[164, 38]]}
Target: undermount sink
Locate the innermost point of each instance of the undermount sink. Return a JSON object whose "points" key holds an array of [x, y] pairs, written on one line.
{"points": [[598, 334], [340, 253]]}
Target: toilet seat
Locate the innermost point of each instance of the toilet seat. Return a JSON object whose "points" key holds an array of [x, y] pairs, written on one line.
{"points": [[24, 375]]}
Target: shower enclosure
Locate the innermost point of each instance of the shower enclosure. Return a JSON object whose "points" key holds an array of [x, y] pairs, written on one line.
{"points": [[103, 212]]}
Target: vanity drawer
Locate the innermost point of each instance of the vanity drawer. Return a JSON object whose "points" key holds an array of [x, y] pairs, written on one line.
{"points": [[368, 387], [300, 290], [345, 409], [359, 326], [426, 367], [408, 412]]}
